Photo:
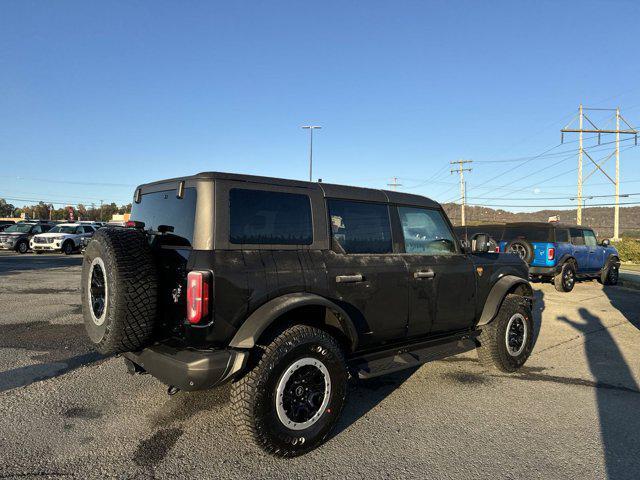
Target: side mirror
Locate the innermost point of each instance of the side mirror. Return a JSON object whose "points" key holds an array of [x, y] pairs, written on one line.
{"points": [[480, 243], [606, 242]]}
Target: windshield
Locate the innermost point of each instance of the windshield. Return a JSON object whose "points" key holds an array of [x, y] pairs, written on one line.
{"points": [[19, 228], [63, 229]]}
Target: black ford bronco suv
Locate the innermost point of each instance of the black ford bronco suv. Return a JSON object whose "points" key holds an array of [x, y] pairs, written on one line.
{"points": [[290, 288]]}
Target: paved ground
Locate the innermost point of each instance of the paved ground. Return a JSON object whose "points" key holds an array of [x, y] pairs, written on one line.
{"points": [[571, 413]]}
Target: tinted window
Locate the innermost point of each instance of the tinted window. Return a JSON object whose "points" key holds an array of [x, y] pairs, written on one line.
{"points": [[590, 238], [425, 231], [359, 227], [88, 229], [269, 218], [37, 229], [163, 208], [562, 235], [531, 233], [576, 236]]}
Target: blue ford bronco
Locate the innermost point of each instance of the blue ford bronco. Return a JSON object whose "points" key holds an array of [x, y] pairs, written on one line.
{"points": [[554, 251]]}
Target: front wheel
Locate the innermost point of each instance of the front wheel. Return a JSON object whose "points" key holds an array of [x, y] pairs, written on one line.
{"points": [[610, 274], [507, 341], [67, 248], [22, 247], [292, 397]]}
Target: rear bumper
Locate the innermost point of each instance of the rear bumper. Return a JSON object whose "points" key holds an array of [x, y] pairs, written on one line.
{"points": [[542, 271], [187, 369]]}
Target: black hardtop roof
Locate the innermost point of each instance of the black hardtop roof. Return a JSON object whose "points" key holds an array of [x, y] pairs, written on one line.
{"points": [[328, 189]]}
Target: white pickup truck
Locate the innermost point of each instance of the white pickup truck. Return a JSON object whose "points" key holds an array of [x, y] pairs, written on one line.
{"points": [[64, 237]]}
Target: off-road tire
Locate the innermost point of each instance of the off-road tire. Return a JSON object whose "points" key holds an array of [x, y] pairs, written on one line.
{"points": [[610, 273], [22, 247], [493, 351], [523, 248], [565, 280], [130, 295], [253, 396], [68, 247]]}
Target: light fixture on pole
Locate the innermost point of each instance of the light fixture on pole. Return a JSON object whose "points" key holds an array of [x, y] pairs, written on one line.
{"points": [[311, 128]]}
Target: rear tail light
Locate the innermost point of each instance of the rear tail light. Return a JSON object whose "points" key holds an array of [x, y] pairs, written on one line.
{"points": [[198, 285], [551, 253], [134, 224], [497, 248]]}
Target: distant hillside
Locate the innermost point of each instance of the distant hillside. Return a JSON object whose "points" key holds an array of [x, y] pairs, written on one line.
{"points": [[599, 218]]}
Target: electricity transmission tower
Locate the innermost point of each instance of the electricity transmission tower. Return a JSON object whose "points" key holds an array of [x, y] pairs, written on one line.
{"points": [[463, 195], [394, 184], [592, 128]]}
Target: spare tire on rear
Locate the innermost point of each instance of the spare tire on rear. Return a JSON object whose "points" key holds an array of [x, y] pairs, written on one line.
{"points": [[119, 290], [522, 248]]}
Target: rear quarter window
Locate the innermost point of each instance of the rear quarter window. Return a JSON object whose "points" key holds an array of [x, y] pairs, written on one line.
{"points": [[164, 208], [260, 217]]}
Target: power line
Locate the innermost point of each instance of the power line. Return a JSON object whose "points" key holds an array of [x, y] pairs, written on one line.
{"points": [[550, 206]]}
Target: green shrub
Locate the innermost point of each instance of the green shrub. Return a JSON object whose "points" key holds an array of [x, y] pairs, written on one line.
{"points": [[629, 250]]}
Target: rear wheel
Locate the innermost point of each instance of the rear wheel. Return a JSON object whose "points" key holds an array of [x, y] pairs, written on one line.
{"points": [[506, 342], [119, 290], [566, 279], [291, 398]]}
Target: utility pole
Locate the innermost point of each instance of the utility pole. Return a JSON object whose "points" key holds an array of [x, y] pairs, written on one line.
{"points": [[394, 184], [593, 128], [311, 128], [463, 196], [100, 210]]}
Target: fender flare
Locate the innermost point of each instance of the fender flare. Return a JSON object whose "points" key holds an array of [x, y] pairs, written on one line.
{"points": [[266, 314], [498, 293], [564, 259]]}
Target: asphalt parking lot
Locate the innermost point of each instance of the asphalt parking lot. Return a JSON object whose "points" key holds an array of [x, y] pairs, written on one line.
{"points": [[572, 412]]}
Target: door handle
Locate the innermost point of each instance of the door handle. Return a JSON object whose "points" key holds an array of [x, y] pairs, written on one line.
{"points": [[428, 274], [349, 278]]}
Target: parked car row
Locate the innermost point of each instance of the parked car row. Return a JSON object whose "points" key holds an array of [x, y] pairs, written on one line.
{"points": [[556, 252], [43, 236]]}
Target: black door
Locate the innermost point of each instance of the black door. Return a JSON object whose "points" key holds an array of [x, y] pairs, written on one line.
{"points": [[364, 273], [442, 283]]}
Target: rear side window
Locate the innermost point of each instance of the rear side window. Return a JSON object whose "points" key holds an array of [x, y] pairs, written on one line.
{"points": [[562, 235], [426, 232], [576, 236], [260, 217], [163, 208], [359, 227]]}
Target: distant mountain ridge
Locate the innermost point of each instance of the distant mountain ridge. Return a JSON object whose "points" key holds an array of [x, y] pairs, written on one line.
{"points": [[598, 218]]}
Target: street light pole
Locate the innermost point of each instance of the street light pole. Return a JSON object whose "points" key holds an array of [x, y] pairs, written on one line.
{"points": [[311, 128]]}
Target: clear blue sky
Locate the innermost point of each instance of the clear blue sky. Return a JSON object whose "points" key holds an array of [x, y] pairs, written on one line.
{"points": [[96, 97]]}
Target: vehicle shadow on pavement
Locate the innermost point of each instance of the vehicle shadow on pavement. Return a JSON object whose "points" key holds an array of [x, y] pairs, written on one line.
{"points": [[23, 376], [365, 395], [20, 262], [627, 304], [59, 348], [617, 408]]}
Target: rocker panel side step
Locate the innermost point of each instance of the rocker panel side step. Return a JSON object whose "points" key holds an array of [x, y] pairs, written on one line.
{"points": [[393, 360]]}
